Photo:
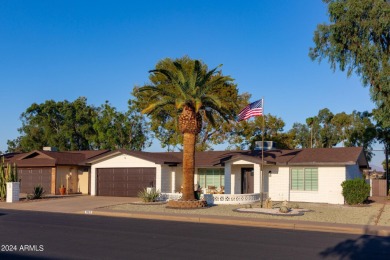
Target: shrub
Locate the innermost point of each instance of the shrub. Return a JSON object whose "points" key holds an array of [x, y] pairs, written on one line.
{"points": [[148, 196], [355, 191], [37, 193]]}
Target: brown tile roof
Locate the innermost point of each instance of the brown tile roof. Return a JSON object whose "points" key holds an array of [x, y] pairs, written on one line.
{"points": [[317, 156], [51, 159], [337, 155], [313, 156]]}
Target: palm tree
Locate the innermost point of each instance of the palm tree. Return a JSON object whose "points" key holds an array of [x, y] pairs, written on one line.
{"points": [[185, 90]]}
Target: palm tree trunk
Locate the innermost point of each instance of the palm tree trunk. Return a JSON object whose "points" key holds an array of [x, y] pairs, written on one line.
{"points": [[189, 140]]}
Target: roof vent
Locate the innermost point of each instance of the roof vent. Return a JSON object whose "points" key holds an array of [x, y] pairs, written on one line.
{"points": [[49, 149], [268, 145]]}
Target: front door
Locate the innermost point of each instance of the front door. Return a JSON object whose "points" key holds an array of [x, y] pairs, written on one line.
{"points": [[247, 180]]}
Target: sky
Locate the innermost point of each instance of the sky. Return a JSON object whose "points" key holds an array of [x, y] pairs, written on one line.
{"points": [[61, 50]]}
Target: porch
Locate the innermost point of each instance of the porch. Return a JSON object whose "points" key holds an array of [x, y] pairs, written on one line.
{"points": [[236, 182]]}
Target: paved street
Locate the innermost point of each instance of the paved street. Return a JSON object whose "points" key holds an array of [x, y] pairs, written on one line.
{"points": [[71, 236]]}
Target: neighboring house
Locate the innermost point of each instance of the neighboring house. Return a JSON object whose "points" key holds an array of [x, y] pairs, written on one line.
{"points": [[51, 169], [305, 175]]}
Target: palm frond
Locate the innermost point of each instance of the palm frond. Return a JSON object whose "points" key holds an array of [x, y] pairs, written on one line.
{"points": [[152, 108], [197, 104], [209, 117]]}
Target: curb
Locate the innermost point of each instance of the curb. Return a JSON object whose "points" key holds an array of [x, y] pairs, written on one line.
{"points": [[248, 222]]}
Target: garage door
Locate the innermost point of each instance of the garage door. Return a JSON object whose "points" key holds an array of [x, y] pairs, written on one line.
{"points": [[124, 182], [34, 177]]}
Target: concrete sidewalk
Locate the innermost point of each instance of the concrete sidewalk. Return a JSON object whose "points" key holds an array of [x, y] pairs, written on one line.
{"points": [[98, 206]]}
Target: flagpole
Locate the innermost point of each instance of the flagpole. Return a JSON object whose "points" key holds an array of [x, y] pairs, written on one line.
{"points": [[262, 156]]}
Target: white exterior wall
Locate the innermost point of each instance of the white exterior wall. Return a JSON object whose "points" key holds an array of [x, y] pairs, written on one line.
{"points": [[329, 187], [123, 161], [279, 183], [236, 179], [257, 176]]}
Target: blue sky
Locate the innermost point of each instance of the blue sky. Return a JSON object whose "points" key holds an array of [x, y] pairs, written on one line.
{"points": [[101, 49]]}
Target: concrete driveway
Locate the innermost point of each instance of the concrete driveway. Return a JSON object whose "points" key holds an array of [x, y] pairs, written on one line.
{"points": [[67, 204]]}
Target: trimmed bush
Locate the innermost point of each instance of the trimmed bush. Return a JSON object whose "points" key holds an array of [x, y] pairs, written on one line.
{"points": [[355, 191]]}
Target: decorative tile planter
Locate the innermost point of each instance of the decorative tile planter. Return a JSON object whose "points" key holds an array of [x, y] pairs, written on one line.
{"points": [[219, 198]]}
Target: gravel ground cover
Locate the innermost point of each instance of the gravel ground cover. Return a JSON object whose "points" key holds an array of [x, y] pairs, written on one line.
{"points": [[363, 215]]}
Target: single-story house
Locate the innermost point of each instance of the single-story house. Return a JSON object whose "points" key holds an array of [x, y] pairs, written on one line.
{"points": [[52, 169], [302, 175]]}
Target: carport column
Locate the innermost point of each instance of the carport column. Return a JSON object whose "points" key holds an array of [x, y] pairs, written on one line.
{"points": [[173, 181], [158, 177], [53, 189], [257, 174], [93, 181], [228, 178]]}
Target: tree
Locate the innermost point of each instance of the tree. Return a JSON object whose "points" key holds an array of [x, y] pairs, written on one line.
{"points": [[115, 130], [357, 40], [246, 133], [301, 135], [329, 130], [383, 136], [185, 92], [164, 124], [65, 125], [322, 132], [314, 126], [79, 126], [361, 132], [342, 123]]}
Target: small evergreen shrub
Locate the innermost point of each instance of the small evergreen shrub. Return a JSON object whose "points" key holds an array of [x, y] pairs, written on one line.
{"points": [[284, 209], [148, 196], [37, 193], [355, 191]]}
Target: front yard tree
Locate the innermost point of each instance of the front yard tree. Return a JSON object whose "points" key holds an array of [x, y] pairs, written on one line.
{"points": [[357, 40], [184, 91], [361, 132], [120, 130], [65, 125], [79, 126], [301, 134]]}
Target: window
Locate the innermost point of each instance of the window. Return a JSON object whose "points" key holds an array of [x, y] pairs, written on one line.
{"points": [[304, 179], [211, 177]]}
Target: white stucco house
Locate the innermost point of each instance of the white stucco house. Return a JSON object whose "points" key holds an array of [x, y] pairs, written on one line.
{"points": [[301, 175]]}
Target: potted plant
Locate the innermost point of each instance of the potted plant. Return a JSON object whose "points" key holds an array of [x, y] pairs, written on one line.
{"points": [[62, 189]]}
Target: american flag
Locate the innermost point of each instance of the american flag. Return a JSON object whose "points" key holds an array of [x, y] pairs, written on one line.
{"points": [[253, 109]]}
